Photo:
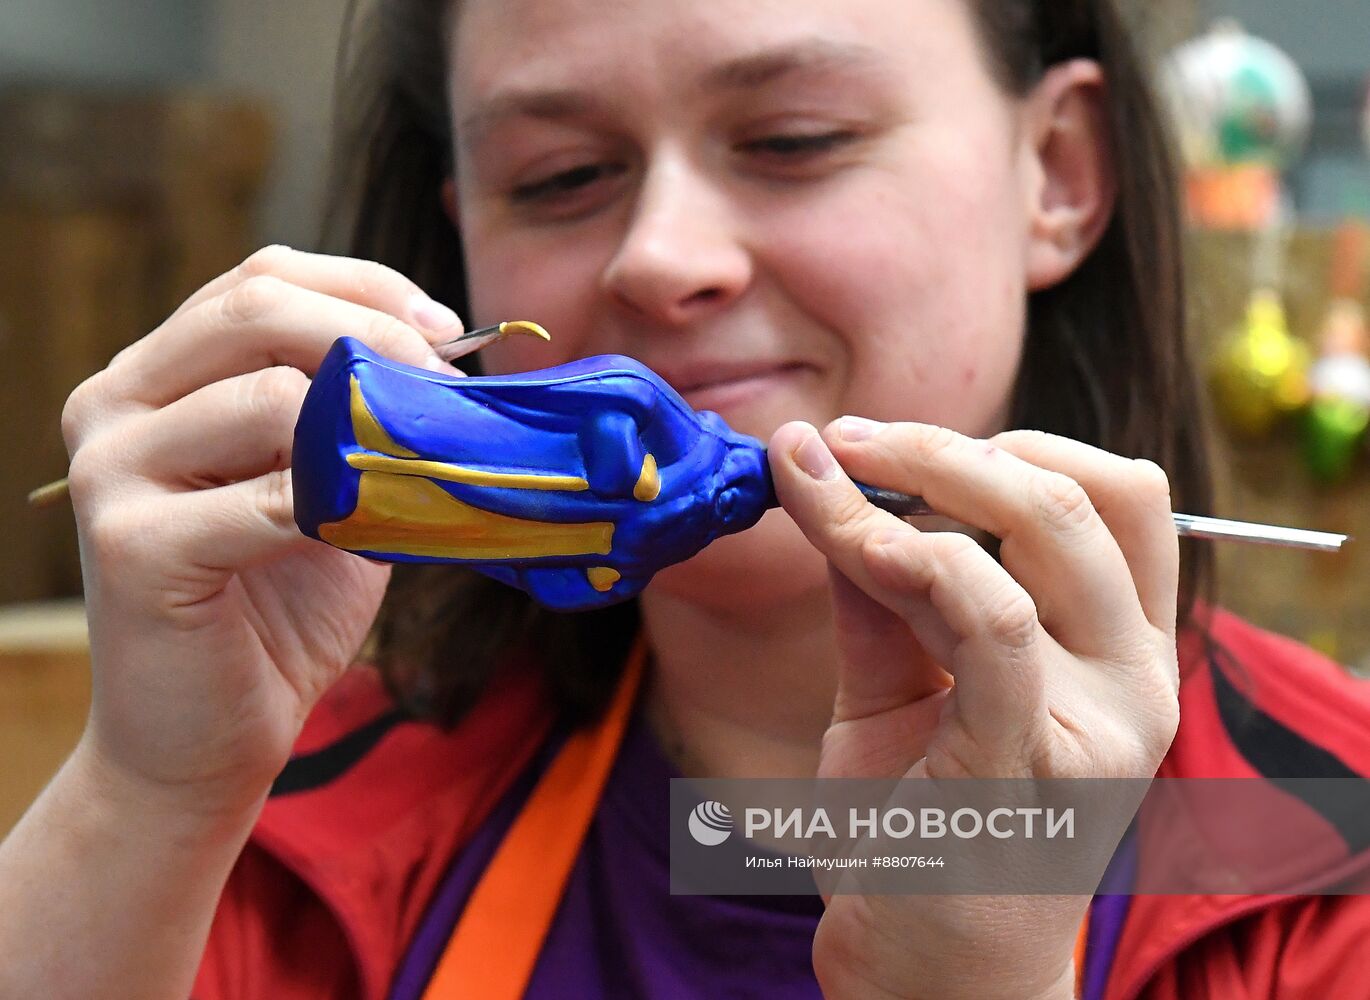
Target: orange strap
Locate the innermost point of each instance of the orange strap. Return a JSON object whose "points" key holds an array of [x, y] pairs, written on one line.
{"points": [[1080, 941], [498, 939]]}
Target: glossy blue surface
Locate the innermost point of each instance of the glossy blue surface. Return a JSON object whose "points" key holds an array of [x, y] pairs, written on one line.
{"points": [[596, 419]]}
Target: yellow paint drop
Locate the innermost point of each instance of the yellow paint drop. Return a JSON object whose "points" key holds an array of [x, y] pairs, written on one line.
{"points": [[602, 578], [648, 486]]}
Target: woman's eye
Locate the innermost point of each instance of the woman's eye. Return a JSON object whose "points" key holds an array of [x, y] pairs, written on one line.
{"points": [[564, 183], [797, 145]]}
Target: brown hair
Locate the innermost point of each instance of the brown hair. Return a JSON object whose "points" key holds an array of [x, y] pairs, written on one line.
{"points": [[1105, 359]]}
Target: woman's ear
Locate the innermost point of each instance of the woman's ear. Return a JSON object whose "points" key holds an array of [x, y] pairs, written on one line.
{"points": [[1072, 181], [449, 202]]}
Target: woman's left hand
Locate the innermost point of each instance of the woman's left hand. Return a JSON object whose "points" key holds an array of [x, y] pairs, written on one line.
{"points": [[1058, 661]]}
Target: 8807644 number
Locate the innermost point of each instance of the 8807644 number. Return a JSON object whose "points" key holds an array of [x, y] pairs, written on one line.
{"points": [[907, 861]]}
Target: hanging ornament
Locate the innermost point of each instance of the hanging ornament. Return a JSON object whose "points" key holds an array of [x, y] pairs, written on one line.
{"points": [[1260, 373], [1339, 411], [1339, 382], [1238, 99], [1243, 111]]}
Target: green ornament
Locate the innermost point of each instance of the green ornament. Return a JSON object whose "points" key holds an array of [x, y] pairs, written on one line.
{"points": [[1332, 433]]}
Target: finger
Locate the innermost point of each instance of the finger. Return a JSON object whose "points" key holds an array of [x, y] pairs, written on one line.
{"points": [[233, 527], [1133, 498], [261, 323], [203, 534], [886, 709], [950, 592], [884, 665], [1054, 541], [999, 660], [856, 537], [231, 430], [363, 282], [825, 505]]}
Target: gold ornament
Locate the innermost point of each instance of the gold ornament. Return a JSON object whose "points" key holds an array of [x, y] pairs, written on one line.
{"points": [[1260, 373]]}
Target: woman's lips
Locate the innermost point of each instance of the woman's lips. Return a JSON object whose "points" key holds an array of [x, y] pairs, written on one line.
{"points": [[736, 389]]}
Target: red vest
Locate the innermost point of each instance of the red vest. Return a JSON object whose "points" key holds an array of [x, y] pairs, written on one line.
{"points": [[372, 808]]}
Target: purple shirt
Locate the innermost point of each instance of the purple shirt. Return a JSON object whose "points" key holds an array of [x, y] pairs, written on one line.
{"points": [[619, 933], [1106, 917]]}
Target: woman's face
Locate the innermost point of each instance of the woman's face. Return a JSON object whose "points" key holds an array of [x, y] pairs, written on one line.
{"points": [[790, 209]]}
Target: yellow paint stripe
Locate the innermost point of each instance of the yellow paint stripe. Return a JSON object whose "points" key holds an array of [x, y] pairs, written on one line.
{"points": [[368, 430], [448, 473], [412, 516]]}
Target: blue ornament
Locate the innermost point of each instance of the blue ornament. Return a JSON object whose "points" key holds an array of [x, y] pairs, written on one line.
{"points": [[575, 484]]}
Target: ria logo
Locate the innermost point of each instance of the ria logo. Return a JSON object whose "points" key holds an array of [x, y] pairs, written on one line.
{"points": [[710, 823]]}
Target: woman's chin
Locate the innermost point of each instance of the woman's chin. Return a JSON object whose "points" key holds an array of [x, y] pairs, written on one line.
{"points": [[761, 569]]}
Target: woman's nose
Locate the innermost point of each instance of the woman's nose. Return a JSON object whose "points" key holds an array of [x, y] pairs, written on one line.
{"points": [[680, 258]]}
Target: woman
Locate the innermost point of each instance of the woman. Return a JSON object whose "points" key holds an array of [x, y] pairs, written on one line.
{"points": [[951, 217]]}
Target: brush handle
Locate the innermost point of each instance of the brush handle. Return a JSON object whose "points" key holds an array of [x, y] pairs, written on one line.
{"points": [[1186, 525]]}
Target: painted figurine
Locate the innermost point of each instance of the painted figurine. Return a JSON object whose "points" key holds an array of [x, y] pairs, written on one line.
{"points": [[576, 484]]}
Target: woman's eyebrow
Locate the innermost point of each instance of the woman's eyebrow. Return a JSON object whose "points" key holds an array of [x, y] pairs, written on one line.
{"points": [[549, 105], [768, 65], [752, 70]]}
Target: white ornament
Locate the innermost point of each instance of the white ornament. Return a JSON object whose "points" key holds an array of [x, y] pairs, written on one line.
{"points": [[1237, 99]]}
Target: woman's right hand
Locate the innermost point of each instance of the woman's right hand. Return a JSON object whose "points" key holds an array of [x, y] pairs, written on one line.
{"points": [[215, 625]]}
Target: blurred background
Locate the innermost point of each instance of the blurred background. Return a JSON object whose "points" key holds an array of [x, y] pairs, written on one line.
{"points": [[149, 145]]}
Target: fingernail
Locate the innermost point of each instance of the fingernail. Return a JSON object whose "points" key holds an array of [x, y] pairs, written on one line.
{"points": [[858, 429], [432, 315], [814, 458]]}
